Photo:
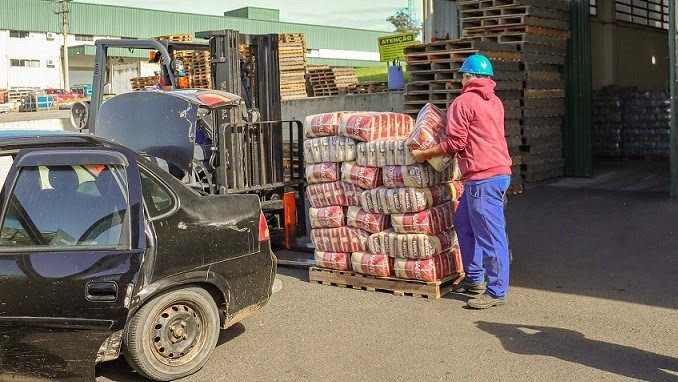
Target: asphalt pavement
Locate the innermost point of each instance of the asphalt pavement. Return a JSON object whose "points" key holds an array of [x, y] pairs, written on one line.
{"points": [[592, 298]]}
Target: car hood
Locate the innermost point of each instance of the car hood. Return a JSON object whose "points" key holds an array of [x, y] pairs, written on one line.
{"points": [[159, 124]]}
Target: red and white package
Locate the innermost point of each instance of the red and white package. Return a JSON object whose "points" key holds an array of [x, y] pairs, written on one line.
{"points": [[402, 200], [456, 188], [429, 130], [411, 246], [342, 239], [340, 261], [434, 220], [367, 221], [365, 177], [432, 269], [322, 173], [322, 125], [383, 153], [372, 264], [329, 149], [327, 217], [415, 175], [375, 126], [333, 194], [352, 193]]}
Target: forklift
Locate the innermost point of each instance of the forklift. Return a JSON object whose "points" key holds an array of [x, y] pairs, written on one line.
{"points": [[239, 143]]}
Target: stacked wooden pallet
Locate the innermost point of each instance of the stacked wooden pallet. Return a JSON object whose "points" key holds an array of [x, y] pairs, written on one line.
{"points": [[321, 82], [184, 37], [197, 67], [292, 58], [141, 83], [367, 87], [344, 77], [3, 96], [435, 78], [539, 31]]}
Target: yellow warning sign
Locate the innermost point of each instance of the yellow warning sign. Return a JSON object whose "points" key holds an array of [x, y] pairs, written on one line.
{"points": [[392, 47]]}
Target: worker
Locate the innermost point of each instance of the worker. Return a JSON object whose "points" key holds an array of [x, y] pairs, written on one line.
{"points": [[475, 134]]}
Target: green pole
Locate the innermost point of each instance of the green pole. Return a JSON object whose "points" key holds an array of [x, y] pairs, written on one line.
{"points": [[577, 129], [673, 44]]}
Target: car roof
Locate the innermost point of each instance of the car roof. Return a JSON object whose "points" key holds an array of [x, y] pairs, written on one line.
{"points": [[14, 139]]}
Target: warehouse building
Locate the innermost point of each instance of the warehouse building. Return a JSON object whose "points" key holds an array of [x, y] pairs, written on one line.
{"points": [[30, 37]]}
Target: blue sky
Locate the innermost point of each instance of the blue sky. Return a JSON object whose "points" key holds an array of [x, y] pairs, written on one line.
{"points": [[370, 14]]}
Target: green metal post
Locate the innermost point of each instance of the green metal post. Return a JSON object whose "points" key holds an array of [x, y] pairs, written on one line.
{"points": [[673, 54], [577, 129]]}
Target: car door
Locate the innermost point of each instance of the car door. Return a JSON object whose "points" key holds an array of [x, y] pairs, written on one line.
{"points": [[71, 248]]}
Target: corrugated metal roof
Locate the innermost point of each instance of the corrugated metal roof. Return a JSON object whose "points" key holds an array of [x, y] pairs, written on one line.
{"points": [[106, 20]]}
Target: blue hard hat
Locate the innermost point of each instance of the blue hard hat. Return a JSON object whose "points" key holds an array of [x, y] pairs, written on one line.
{"points": [[477, 64]]}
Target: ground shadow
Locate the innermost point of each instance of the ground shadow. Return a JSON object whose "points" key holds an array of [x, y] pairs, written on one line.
{"points": [[617, 245], [572, 346], [120, 371], [300, 273]]}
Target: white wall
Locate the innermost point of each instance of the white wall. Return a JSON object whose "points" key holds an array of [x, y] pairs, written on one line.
{"points": [[35, 47]]}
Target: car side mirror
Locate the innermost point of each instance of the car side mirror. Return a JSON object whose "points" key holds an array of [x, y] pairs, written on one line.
{"points": [[80, 115]]}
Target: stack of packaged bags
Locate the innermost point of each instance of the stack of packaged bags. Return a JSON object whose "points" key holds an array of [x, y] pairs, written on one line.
{"points": [[335, 180], [405, 209]]}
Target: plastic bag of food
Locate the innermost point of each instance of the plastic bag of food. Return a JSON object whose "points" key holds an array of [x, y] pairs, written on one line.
{"points": [[322, 125], [432, 269], [342, 239], [383, 153], [434, 220], [415, 175], [337, 193], [322, 173], [327, 217], [340, 261], [365, 177], [367, 221], [372, 264], [329, 149], [429, 130], [402, 200], [411, 246], [374, 126]]}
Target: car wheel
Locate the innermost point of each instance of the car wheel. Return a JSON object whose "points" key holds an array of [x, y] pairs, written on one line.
{"points": [[173, 335]]}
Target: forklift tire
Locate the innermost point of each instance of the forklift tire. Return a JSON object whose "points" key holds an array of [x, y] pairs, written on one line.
{"points": [[173, 335]]}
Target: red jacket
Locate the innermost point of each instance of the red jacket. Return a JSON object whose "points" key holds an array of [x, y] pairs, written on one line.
{"points": [[475, 131]]}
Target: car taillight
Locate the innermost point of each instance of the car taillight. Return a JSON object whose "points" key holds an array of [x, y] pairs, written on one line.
{"points": [[263, 228]]}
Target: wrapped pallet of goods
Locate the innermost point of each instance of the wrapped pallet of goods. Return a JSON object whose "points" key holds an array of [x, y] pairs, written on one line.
{"points": [[406, 209]]}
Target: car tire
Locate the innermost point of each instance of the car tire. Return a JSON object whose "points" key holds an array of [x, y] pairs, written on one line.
{"points": [[173, 335]]}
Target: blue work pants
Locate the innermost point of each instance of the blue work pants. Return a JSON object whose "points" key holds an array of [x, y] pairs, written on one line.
{"points": [[481, 229]]}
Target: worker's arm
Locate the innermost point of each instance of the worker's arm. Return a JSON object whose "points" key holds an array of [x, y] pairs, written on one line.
{"points": [[421, 156], [458, 122]]}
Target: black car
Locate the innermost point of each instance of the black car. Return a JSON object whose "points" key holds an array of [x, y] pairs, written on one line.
{"points": [[104, 252]]}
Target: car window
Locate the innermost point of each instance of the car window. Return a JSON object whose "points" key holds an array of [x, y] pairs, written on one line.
{"points": [[158, 198], [68, 206], [5, 165]]}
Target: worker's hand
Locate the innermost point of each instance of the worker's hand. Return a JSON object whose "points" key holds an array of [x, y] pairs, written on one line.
{"points": [[419, 156]]}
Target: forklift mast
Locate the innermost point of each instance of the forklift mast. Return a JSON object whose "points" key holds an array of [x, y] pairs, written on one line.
{"points": [[256, 154]]}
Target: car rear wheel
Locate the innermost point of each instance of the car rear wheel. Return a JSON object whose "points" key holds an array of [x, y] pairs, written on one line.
{"points": [[173, 335]]}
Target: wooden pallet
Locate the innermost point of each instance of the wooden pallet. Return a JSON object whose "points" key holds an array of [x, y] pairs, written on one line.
{"points": [[185, 37], [514, 10], [479, 4], [400, 287]]}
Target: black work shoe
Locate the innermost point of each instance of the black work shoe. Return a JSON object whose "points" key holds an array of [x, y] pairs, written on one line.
{"points": [[466, 286], [485, 301]]}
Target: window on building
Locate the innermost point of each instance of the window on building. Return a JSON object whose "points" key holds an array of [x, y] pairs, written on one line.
{"points": [[653, 13], [19, 34], [24, 63], [84, 37], [593, 7]]}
